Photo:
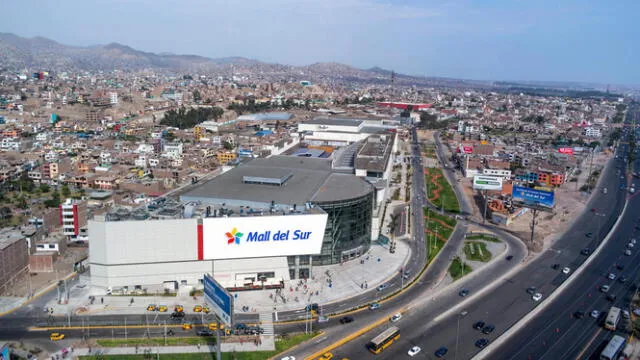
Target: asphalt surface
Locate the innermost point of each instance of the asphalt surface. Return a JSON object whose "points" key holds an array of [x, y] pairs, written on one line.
{"points": [[504, 305], [556, 333], [424, 306]]}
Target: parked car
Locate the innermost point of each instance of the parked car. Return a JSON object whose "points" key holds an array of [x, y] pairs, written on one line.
{"points": [[566, 270], [537, 297], [56, 336], [585, 251]]}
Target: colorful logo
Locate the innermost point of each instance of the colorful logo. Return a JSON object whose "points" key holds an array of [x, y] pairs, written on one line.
{"points": [[234, 236]]}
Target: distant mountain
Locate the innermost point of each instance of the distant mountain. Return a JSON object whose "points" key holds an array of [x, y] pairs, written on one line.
{"points": [[17, 53]]}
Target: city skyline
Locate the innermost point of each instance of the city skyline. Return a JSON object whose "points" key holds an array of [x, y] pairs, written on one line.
{"points": [[497, 40]]}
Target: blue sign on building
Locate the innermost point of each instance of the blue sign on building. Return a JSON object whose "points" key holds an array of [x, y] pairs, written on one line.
{"points": [[220, 300], [533, 196]]}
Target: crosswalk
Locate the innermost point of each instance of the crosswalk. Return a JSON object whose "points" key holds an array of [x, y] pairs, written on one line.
{"points": [[266, 322]]}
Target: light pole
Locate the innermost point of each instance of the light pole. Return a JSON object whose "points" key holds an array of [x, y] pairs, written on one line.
{"points": [[455, 355]]}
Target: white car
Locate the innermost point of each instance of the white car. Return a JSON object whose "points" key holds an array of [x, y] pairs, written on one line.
{"points": [[396, 317], [630, 245], [595, 314], [288, 358], [633, 241], [414, 351], [537, 297], [627, 252], [611, 276], [566, 270], [604, 288]]}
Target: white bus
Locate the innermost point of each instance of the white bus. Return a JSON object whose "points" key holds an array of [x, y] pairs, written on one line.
{"points": [[614, 348], [613, 317]]}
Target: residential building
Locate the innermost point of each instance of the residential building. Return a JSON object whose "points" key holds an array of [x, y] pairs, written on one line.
{"points": [[73, 216]]}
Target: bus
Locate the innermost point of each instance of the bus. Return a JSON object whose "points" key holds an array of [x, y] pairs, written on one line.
{"points": [[613, 317], [382, 341], [614, 348]]}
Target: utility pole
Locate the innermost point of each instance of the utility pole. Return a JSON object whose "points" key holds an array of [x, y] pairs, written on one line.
{"points": [[486, 200], [533, 225], [589, 175]]}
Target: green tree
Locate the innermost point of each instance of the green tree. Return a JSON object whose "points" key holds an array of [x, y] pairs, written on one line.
{"points": [[228, 145], [54, 202], [65, 191], [44, 188]]}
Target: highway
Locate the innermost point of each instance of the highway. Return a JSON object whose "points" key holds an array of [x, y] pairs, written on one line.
{"points": [[505, 304], [555, 333]]}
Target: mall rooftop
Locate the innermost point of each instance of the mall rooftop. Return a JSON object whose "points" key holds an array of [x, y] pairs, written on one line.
{"points": [[280, 181]]}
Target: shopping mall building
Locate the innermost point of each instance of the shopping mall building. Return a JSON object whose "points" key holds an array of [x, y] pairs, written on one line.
{"points": [[263, 222]]}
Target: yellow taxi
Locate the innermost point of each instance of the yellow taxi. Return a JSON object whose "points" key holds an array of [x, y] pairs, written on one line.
{"points": [[205, 309], [163, 308], [214, 326], [56, 336], [152, 307], [179, 308], [187, 326], [197, 308], [326, 356]]}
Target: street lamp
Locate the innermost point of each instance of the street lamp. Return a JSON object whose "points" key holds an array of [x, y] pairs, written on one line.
{"points": [[455, 355]]}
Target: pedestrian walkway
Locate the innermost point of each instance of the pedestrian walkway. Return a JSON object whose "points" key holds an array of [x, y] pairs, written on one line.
{"points": [[262, 343], [266, 323]]}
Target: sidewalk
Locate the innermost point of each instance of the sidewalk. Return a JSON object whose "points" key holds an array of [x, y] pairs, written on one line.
{"points": [[329, 284], [266, 343]]}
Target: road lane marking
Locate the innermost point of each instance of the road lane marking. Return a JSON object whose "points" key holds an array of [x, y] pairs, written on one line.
{"points": [[589, 344]]}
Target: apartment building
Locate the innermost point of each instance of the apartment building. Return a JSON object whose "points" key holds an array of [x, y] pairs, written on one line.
{"points": [[73, 216]]}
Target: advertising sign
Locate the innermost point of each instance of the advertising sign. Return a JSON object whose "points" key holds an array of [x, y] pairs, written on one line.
{"points": [[565, 150], [467, 149], [533, 196], [261, 236], [483, 182], [219, 299]]}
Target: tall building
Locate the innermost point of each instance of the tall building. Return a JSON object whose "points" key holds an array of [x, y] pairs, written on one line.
{"points": [[73, 216]]}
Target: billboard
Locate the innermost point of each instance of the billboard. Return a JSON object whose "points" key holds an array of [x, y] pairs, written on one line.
{"points": [[484, 182], [219, 299], [260, 236], [565, 150], [533, 196]]}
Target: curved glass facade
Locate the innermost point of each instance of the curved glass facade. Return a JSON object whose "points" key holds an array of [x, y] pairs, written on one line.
{"points": [[348, 231]]}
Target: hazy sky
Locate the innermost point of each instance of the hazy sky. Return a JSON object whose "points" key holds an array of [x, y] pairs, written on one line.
{"points": [[581, 40]]}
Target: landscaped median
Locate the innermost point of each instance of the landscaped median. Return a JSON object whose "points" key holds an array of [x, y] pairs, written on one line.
{"points": [[438, 229], [439, 191], [283, 344], [458, 268]]}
